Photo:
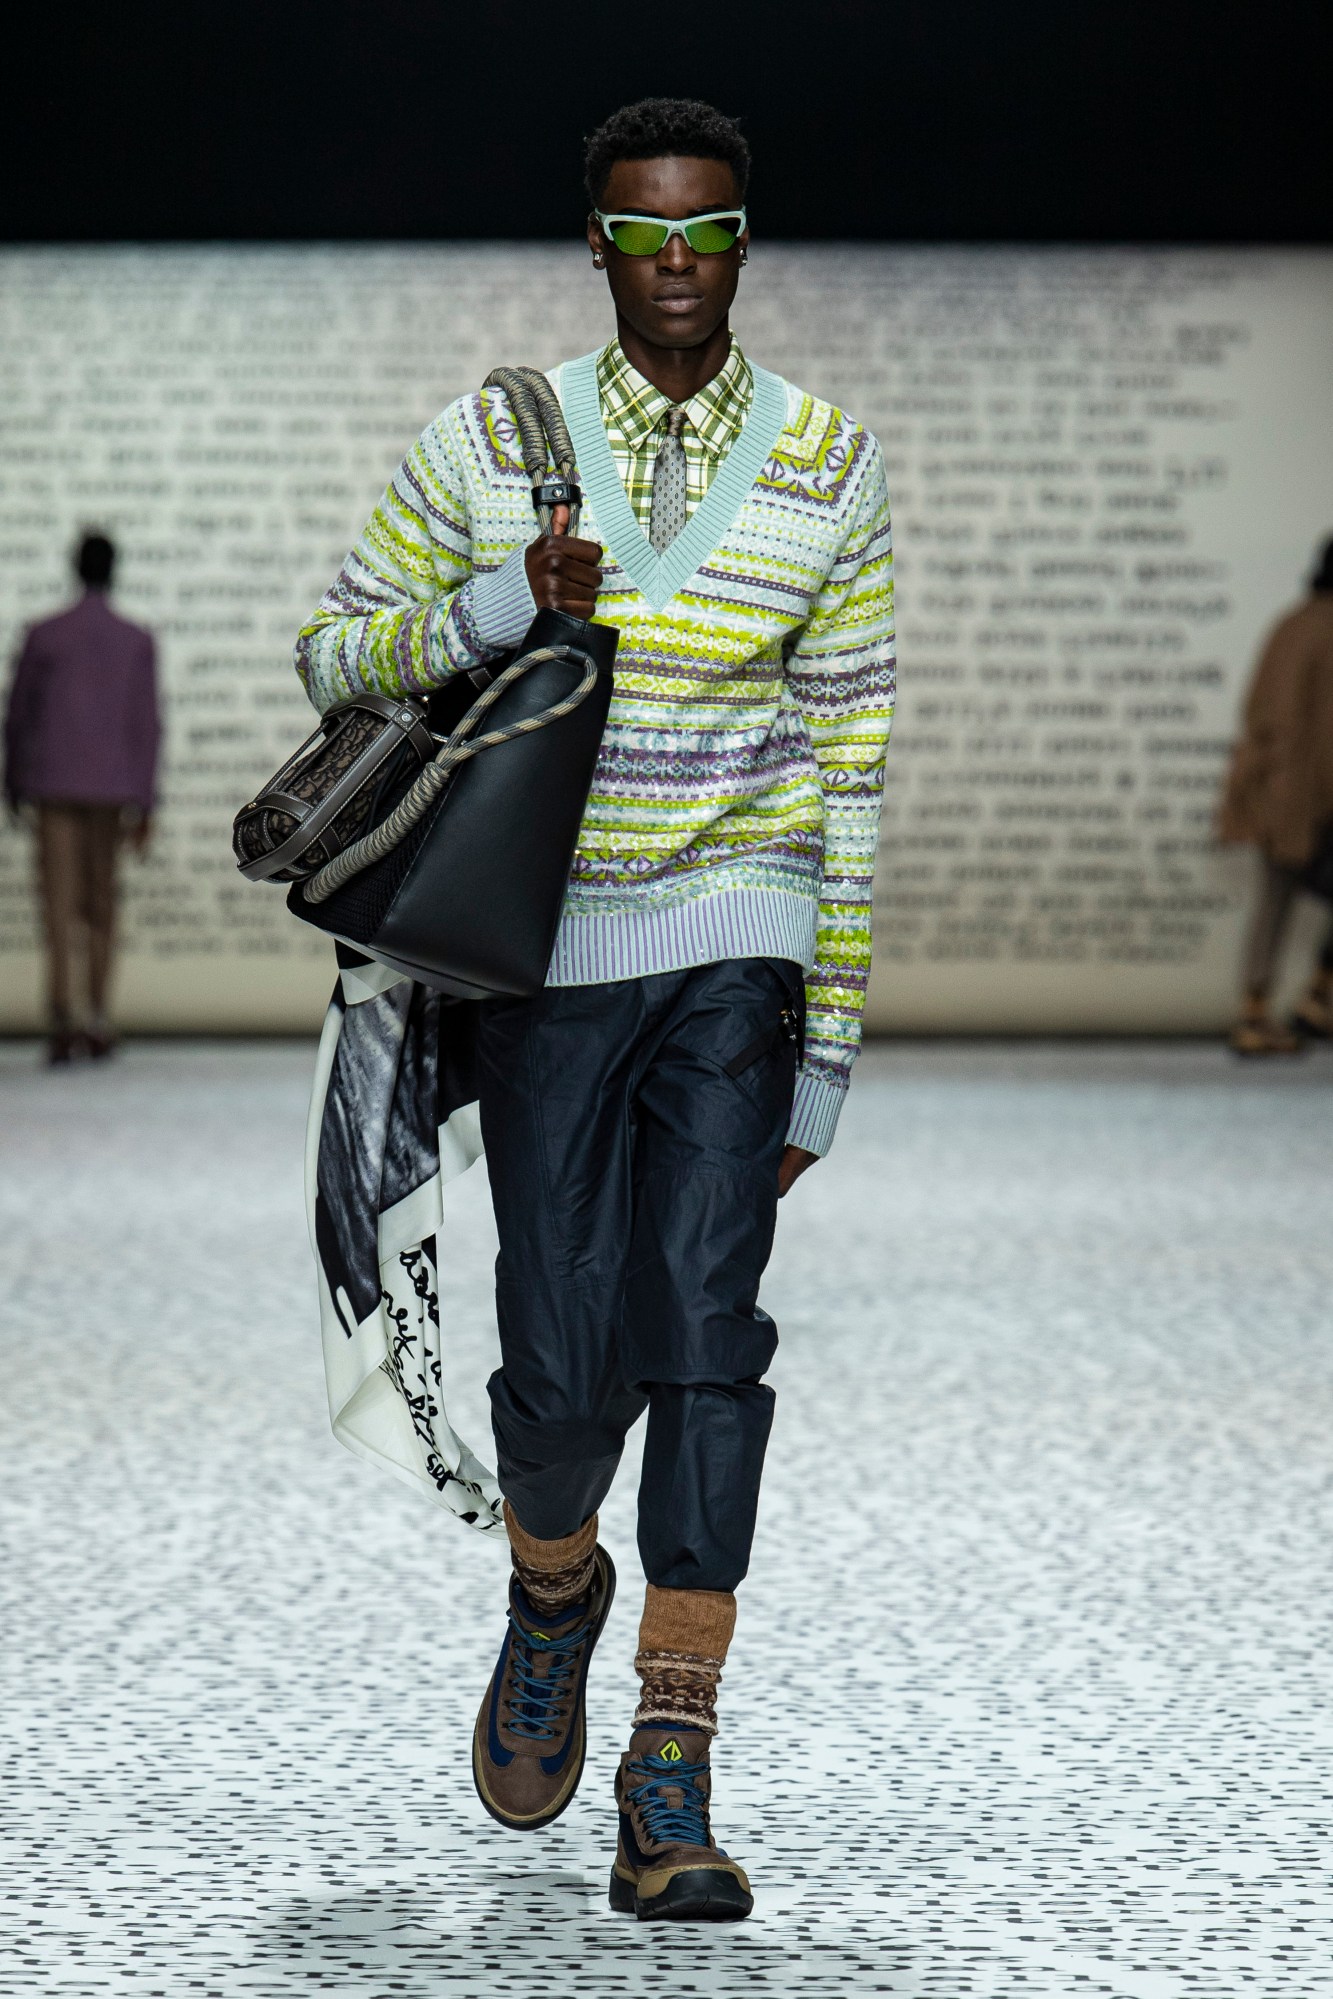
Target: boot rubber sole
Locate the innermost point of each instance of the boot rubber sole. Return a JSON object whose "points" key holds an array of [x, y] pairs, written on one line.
{"points": [[694, 1895], [564, 1797]]}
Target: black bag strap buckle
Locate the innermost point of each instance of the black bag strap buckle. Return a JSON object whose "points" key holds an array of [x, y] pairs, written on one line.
{"points": [[557, 491]]}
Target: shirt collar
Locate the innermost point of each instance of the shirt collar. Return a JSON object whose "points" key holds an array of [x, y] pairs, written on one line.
{"points": [[636, 406]]}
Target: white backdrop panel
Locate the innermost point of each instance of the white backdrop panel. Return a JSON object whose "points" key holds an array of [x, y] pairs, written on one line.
{"points": [[1108, 469]]}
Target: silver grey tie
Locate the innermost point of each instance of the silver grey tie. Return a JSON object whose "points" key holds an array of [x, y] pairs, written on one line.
{"points": [[667, 517]]}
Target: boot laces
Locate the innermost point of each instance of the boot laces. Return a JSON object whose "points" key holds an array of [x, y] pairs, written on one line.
{"points": [[667, 1821], [538, 1705]]}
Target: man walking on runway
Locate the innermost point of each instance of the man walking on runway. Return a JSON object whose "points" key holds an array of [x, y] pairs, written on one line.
{"points": [[81, 744], [690, 1052]]}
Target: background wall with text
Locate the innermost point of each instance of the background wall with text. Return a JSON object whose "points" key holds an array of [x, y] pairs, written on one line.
{"points": [[1109, 469]]}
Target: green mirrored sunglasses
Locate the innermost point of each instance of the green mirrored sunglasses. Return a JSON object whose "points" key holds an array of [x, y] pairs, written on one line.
{"points": [[645, 235]]}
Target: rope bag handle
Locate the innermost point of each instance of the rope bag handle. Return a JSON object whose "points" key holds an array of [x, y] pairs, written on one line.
{"points": [[542, 430]]}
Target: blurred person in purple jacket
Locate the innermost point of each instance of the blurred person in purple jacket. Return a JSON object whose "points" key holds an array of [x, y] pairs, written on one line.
{"points": [[81, 743]]}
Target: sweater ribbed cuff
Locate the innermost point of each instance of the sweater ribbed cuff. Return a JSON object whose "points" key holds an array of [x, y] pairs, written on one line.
{"points": [[502, 603], [814, 1114]]}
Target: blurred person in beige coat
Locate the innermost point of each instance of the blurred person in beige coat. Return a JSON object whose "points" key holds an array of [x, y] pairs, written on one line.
{"points": [[1279, 798]]}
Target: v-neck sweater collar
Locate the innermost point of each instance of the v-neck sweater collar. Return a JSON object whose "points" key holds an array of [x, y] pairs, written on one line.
{"points": [[659, 577]]}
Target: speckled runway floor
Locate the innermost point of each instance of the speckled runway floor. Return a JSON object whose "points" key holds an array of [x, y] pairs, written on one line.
{"points": [[1047, 1715]]}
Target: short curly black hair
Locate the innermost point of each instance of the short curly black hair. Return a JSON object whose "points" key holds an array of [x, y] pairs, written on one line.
{"points": [[94, 560], [664, 127]]}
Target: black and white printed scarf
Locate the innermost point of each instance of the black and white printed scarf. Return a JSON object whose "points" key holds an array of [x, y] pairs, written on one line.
{"points": [[393, 1118]]}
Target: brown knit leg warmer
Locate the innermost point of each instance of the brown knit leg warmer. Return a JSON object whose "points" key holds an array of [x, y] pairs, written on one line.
{"points": [[683, 1642], [553, 1573]]}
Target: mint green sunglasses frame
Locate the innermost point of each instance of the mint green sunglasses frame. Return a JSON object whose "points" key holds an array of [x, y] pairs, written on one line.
{"points": [[680, 228]]}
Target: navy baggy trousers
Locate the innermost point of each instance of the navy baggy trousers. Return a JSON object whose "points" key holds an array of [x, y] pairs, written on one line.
{"points": [[633, 1134]]}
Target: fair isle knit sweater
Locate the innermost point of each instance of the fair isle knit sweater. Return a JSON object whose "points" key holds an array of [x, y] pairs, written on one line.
{"points": [[734, 810]]}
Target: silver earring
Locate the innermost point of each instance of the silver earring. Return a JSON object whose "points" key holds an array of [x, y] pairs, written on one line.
{"points": [[745, 257], [597, 260]]}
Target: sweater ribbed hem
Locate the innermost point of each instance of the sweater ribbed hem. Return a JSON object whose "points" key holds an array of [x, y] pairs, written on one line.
{"points": [[592, 950], [814, 1114], [502, 603]]}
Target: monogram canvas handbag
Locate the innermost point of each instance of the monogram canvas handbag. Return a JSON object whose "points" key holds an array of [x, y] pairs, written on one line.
{"points": [[435, 833]]}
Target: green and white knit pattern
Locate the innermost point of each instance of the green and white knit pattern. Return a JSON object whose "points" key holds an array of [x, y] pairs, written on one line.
{"points": [[734, 810]]}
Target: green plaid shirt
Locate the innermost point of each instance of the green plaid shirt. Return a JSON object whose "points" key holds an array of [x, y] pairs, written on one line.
{"points": [[634, 414]]}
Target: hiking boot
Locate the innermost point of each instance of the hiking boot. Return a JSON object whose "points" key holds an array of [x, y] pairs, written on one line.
{"points": [[529, 1742], [667, 1862]]}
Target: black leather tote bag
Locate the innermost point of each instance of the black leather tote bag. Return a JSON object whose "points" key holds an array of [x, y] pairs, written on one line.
{"points": [[470, 901], [436, 833]]}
